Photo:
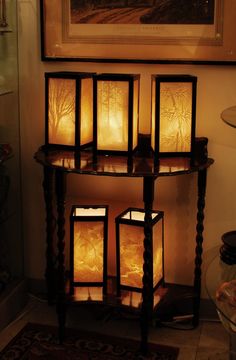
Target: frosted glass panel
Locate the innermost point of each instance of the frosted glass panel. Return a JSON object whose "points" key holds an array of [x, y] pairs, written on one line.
{"points": [[137, 215], [61, 111], [135, 114], [175, 116], [153, 114], [131, 255], [88, 293], [90, 212], [88, 251], [86, 115], [112, 121], [157, 253]]}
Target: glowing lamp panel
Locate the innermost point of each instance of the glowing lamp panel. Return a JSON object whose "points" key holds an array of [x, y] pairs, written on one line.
{"points": [[88, 294], [112, 117], [131, 255], [61, 111], [153, 117], [134, 299], [86, 111], [175, 116], [157, 253], [135, 114], [88, 251]]}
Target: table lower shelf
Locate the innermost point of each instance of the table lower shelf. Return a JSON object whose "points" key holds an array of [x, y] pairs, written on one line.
{"points": [[173, 302]]}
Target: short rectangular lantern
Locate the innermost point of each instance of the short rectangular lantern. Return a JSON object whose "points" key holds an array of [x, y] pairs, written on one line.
{"points": [[116, 111], [173, 115], [88, 252], [130, 249], [69, 109]]}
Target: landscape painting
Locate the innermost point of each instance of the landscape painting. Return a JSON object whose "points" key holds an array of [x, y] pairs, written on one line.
{"points": [[142, 11], [139, 30]]}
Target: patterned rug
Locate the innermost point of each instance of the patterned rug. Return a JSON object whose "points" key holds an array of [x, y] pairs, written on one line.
{"points": [[39, 342]]}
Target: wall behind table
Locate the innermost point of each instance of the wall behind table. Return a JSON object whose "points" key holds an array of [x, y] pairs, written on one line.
{"points": [[176, 196]]}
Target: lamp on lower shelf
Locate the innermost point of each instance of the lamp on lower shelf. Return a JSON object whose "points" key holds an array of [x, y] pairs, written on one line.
{"points": [[88, 252], [130, 247], [173, 115]]}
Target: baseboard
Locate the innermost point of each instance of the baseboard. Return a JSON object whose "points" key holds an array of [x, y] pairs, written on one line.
{"points": [[12, 301]]}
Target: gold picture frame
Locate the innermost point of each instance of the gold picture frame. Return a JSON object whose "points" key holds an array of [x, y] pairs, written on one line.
{"points": [[69, 34]]}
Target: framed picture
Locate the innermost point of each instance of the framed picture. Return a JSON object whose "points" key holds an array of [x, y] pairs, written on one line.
{"points": [[142, 31]]}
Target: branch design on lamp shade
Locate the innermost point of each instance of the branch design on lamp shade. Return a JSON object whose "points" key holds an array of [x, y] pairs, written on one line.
{"points": [[176, 112], [113, 115], [61, 113], [69, 110], [88, 251], [173, 115]]}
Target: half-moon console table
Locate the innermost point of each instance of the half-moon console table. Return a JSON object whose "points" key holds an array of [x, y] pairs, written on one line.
{"points": [[58, 164]]}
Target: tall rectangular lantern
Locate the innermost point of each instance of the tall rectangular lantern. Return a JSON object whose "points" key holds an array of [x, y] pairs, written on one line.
{"points": [[130, 248], [173, 115], [116, 100], [69, 109], [88, 252]]}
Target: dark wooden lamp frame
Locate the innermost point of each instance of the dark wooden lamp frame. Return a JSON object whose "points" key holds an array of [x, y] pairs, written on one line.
{"points": [[174, 78], [101, 219], [77, 77], [130, 78], [120, 221]]}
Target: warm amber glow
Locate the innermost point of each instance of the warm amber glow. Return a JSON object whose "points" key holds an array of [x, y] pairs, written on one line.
{"points": [[131, 255], [67, 163], [112, 118], [135, 113], [173, 165], [86, 111], [90, 212], [61, 111], [132, 248], [157, 253], [175, 116], [131, 298], [88, 293], [134, 299], [153, 127], [105, 164], [137, 215], [88, 251]]}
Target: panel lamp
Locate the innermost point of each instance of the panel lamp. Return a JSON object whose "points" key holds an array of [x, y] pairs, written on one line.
{"points": [[88, 252], [69, 109], [130, 249], [173, 116], [116, 109]]}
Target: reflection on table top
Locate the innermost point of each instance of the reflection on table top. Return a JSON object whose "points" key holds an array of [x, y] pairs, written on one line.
{"points": [[217, 274], [83, 162]]}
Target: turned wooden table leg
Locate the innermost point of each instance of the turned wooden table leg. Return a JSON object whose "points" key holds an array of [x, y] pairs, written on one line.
{"points": [[61, 292], [50, 230], [147, 306], [202, 177]]}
